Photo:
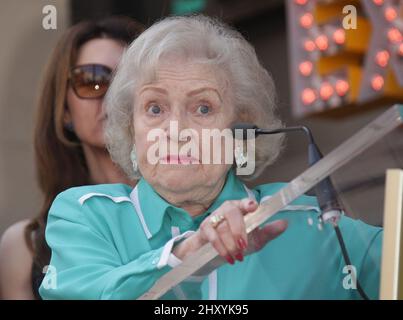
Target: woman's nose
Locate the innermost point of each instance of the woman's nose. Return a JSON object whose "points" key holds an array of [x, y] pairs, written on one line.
{"points": [[176, 123]]}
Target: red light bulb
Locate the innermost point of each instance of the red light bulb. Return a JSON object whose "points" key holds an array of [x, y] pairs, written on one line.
{"points": [[322, 42], [382, 58], [326, 91], [390, 13], [305, 68], [394, 35], [339, 36], [306, 20], [342, 87], [309, 45], [377, 82], [308, 96]]}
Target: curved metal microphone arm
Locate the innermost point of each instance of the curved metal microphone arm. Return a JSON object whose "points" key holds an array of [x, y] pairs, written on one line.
{"points": [[305, 129]]}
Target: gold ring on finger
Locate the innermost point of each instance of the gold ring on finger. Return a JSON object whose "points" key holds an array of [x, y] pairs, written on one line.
{"points": [[216, 219]]}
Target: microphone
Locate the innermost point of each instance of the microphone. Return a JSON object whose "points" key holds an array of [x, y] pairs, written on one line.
{"points": [[258, 131], [324, 190], [328, 201]]}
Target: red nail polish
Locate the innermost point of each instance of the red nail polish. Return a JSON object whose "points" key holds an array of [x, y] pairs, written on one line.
{"points": [[239, 256], [230, 259], [251, 203], [241, 244]]}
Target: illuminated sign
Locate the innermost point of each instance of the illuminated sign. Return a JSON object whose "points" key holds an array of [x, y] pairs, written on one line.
{"points": [[344, 55]]}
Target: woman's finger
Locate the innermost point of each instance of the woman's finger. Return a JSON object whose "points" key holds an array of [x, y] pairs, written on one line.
{"points": [[229, 236], [267, 233], [248, 205], [236, 223], [229, 240], [210, 234]]}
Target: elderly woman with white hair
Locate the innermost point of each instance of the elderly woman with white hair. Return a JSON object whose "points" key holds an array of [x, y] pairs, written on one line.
{"points": [[192, 74]]}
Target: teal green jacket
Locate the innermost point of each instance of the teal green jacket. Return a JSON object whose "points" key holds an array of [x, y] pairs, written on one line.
{"points": [[114, 242]]}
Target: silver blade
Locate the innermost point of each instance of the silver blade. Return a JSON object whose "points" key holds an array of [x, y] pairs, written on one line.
{"points": [[363, 139]]}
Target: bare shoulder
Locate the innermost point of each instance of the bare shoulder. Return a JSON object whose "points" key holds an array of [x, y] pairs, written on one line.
{"points": [[15, 263], [13, 240]]}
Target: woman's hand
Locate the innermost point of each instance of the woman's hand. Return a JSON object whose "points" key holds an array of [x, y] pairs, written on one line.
{"points": [[229, 237]]}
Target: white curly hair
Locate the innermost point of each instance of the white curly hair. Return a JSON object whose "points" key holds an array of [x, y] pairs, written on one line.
{"points": [[202, 39]]}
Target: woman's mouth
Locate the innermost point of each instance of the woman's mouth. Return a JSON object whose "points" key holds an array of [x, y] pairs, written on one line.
{"points": [[179, 159]]}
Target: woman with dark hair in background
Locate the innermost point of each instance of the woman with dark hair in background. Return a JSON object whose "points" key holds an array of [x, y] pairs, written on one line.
{"points": [[69, 144]]}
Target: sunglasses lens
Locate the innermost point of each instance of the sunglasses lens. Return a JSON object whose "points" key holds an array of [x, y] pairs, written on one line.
{"points": [[91, 81]]}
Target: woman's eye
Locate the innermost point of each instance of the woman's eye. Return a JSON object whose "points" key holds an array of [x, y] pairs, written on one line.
{"points": [[203, 109], [154, 109]]}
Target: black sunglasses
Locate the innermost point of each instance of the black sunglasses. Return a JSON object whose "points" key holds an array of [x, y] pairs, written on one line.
{"points": [[90, 81]]}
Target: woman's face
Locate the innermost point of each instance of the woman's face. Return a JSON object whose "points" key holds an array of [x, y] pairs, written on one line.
{"points": [[194, 97], [86, 114]]}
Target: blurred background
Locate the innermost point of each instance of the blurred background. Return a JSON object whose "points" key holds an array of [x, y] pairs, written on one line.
{"points": [[332, 79]]}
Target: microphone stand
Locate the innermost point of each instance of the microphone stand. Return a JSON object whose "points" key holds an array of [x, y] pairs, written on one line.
{"points": [[328, 201]]}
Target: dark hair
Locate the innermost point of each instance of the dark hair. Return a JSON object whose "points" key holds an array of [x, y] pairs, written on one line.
{"points": [[60, 162]]}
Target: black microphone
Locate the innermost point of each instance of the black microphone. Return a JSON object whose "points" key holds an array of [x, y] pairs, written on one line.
{"points": [[328, 201], [258, 131], [324, 190]]}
